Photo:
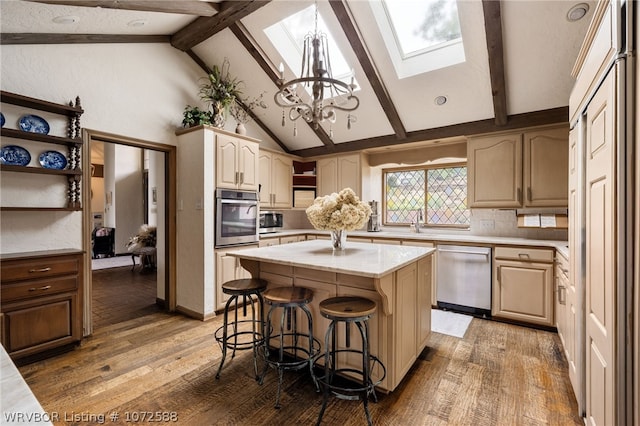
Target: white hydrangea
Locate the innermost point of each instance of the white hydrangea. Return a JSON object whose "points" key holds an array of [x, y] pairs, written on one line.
{"points": [[339, 211]]}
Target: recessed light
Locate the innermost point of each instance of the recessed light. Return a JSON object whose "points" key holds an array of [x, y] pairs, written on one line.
{"points": [[577, 12], [66, 20], [138, 23], [440, 100]]}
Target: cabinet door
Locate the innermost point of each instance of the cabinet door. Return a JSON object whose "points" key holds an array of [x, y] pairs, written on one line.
{"points": [[523, 291], [327, 169], [424, 300], [282, 181], [406, 311], [225, 271], [600, 280], [434, 300], [546, 160], [495, 171], [248, 165], [264, 164], [349, 175], [226, 162], [561, 304]]}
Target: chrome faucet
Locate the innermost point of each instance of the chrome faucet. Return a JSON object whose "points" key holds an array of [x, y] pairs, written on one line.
{"points": [[419, 219]]}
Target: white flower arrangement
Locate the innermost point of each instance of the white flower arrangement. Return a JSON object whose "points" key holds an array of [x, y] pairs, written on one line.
{"points": [[339, 211]]}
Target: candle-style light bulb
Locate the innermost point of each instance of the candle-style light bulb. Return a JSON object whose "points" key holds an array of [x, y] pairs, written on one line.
{"points": [[281, 69]]}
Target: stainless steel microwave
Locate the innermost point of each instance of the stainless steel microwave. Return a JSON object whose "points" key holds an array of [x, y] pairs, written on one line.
{"points": [[270, 222], [236, 217]]}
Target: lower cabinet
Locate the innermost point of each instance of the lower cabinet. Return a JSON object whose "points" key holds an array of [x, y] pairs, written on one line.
{"points": [[227, 268], [523, 287], [41, 298], [561, 313]]}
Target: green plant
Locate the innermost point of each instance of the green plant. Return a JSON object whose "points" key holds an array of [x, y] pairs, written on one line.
{"points": [[220, 90], [194, 116]]}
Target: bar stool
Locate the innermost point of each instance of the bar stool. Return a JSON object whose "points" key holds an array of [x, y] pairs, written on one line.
{"points": [[295, 349], [357, 310], [240, 337]]}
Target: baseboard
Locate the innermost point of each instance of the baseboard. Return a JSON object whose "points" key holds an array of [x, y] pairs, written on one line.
{"points": [[193, 314]]}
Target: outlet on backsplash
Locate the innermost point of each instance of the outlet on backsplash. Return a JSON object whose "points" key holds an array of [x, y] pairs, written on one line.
{"points": [[487, 224]]}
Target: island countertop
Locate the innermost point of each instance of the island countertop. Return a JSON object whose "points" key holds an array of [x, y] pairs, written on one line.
{"points": [[363, 259]]}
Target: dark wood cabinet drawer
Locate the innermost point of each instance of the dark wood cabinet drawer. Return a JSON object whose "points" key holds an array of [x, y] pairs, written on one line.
{"points": [[37, 288], [16, 270]]}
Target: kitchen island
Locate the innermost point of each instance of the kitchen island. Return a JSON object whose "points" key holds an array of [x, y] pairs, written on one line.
{"points": [[397, 278]]}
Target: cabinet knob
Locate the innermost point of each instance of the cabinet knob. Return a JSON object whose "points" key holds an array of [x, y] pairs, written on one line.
{"points": [[31, 271]]}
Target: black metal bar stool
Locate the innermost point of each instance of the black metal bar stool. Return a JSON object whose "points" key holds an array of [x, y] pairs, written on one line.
{"points": [[357, 310], [295, 349], [233, 335]]}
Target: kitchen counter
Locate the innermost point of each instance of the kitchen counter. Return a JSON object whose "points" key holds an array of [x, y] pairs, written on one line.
{"points": [[396, 278], [362, 259], [426, 235]]}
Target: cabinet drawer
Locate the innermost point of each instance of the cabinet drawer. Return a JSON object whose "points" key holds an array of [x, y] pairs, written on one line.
{"points": [[36, 288], [524, 254], [38, 268]]}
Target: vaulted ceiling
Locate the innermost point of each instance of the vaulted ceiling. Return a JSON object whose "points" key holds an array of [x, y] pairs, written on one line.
{"points": [[518, 59]]}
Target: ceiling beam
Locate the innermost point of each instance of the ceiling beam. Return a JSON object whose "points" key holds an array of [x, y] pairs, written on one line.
{"points": [[204, 27], [55, 38], [493, 32], [519, 121], [350, 29], [185, 7], [255, 118], [244, 36]]}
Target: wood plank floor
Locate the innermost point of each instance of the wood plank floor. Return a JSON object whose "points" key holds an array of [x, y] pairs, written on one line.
{"points": [[498, 374]]}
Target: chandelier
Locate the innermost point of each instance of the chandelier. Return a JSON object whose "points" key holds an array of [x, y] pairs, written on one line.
{"points": [[328, 93]]}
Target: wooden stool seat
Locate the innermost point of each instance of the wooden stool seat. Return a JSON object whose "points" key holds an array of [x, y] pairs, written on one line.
{"points": [[244, 285], [345, 307], [287, 295]]}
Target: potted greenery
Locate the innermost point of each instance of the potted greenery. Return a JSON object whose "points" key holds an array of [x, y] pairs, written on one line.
{"points": [[194, 116], [220, 91], [240, 111]]}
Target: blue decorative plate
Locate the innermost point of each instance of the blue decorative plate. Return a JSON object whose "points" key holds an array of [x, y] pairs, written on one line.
{"points": [[14, 155], [34, 124], [1, 119], [52, 160]]}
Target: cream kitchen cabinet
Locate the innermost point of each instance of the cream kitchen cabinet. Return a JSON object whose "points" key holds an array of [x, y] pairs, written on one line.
{"points": [[276, 180], [561, 315], [336, 173], [523, 285], [236, 162], [527, 169], [434, 262], [227, 268]]}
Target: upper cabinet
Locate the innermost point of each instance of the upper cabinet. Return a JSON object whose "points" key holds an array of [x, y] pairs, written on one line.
{"points": [[52, 163], [336, 173], [527, 169], [275, 180], [236, 163]]}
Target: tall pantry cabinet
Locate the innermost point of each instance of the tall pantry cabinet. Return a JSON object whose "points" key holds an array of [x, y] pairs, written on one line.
{"points": [[601, 209]]}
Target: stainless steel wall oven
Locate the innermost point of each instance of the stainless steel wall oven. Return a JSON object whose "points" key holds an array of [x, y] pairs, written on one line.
{"points": [[237, 214]]}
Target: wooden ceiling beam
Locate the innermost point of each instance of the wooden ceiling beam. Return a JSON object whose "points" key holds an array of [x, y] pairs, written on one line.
{"points": [[204, 27], [495, 50], [55, 38], [519, 121], [349, 27], [255, 118], [244, 36], [185, 7]]}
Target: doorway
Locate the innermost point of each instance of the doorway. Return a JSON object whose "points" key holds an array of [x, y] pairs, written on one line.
{"points": [[138, 191]]}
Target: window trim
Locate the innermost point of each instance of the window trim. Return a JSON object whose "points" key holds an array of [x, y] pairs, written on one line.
{"points": [[384, 171]]}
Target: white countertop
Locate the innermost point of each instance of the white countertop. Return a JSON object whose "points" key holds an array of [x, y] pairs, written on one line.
{"points": [[363, 259], [16, 398], [425, 235]]}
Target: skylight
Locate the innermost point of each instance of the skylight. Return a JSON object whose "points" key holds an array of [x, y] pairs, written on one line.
{"points": [[288, 35], [420, 35]]}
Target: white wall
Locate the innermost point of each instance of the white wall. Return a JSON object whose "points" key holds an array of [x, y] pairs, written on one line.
{"points": [[134, 90]]}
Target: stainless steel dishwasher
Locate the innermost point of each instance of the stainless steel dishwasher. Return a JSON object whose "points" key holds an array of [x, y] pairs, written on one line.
{"points": [[464, 279]]}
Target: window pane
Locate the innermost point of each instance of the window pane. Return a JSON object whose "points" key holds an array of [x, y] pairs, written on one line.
{"points": [[405, 192], [447, 196]]}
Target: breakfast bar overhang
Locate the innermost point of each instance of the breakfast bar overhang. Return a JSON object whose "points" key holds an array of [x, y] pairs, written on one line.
{"points": [[397, 278]]}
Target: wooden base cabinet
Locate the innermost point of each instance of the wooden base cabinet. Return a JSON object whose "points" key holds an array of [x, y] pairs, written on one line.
{"points": [[523, 285], [40, 301], [228, 268]]}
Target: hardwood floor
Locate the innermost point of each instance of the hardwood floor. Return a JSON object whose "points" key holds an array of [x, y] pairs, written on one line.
{"points": [[121, 294], [498, 374]]}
